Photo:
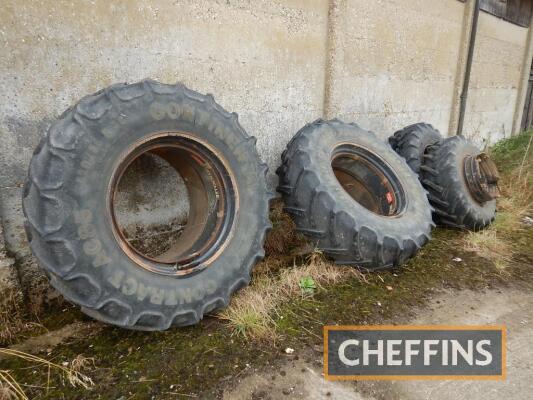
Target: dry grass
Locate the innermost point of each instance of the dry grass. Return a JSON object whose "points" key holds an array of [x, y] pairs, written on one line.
{"points": [[320, 270], [490, 244], [277, 279], [252, 311], [12, 321], [11, 389], [283, 237], [10, 318], [516, 202], [80, 363]]}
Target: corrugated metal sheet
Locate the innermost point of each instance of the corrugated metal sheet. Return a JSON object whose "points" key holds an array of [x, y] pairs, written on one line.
{"points": [[515, 11]]}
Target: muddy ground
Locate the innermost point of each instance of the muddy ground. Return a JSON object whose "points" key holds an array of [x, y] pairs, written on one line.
{"points": [[447, 282]]}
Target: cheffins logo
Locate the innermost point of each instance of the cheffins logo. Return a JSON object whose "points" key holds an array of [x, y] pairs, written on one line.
{"points": [[414, 352]]}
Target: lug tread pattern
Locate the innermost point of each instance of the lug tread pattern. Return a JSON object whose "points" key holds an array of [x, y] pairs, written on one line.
{"points": [[321, 217], [453, 205], [411, 142], [45, 205]]}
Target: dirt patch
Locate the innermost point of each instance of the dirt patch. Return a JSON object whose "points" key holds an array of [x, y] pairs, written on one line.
{"points": [[45, 343], [295, 379], [155, 240]]}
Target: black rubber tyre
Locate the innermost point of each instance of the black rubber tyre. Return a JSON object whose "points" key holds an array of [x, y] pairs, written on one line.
{"points": [[65, 202], [443, 176], [411, 143], [322, 209]]}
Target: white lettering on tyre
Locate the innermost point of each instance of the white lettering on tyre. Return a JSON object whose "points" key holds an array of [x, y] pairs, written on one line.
{"points": [[92, 246], [129, 286]]}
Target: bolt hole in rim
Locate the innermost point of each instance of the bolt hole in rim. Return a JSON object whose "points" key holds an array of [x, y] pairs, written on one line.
{"points": [[369, 180], [481, 177], [212, 197]]}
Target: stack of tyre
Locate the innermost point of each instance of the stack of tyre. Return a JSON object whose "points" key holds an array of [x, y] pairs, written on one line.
{"points": [[363, 202], [460, 180], [400, 191]]}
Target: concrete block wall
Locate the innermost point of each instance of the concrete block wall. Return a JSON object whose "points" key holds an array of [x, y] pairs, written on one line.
{"points": [[278, 63]]}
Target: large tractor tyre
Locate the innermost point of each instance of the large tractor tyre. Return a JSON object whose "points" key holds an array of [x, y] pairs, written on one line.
{"points": [[354, 196], [462, 184], [412, 141], [69, 205]]}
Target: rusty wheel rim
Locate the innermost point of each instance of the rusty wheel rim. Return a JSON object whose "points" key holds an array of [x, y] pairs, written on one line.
{"points": [[369, 180], [213, 203], [481, 177]]}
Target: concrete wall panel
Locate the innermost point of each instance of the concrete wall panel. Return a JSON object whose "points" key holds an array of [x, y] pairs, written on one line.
{"points": [[496, 73], [398, 63], [261, 59]]}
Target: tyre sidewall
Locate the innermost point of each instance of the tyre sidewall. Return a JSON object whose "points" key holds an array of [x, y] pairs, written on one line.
{"points": [[108, 124], [476, 215], [416, 212]]}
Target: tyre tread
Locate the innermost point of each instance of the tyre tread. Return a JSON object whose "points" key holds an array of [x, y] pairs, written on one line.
{"points": [[92, 108], [337, 239]]}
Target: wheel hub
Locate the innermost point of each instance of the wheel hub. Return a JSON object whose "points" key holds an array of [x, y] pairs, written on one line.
{"points": [[482, 177]]}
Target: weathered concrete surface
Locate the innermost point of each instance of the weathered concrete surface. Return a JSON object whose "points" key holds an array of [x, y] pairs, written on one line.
{"points": [[524, 82], [8, 279], [151, 193], [460, 71], [395, 62], [512, 308], [496, 75], [264, 60]]}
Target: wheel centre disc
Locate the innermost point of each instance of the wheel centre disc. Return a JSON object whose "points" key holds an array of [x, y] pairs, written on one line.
{"points": [[368, 179], [482, 177], [212, 202]]}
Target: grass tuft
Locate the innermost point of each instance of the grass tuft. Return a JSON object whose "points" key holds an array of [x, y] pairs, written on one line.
{"points": [[514, 155], [514, 158], [490, 244], [253, 310], [249, 315], [11, 389], [283, 238], [12, 319]]}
